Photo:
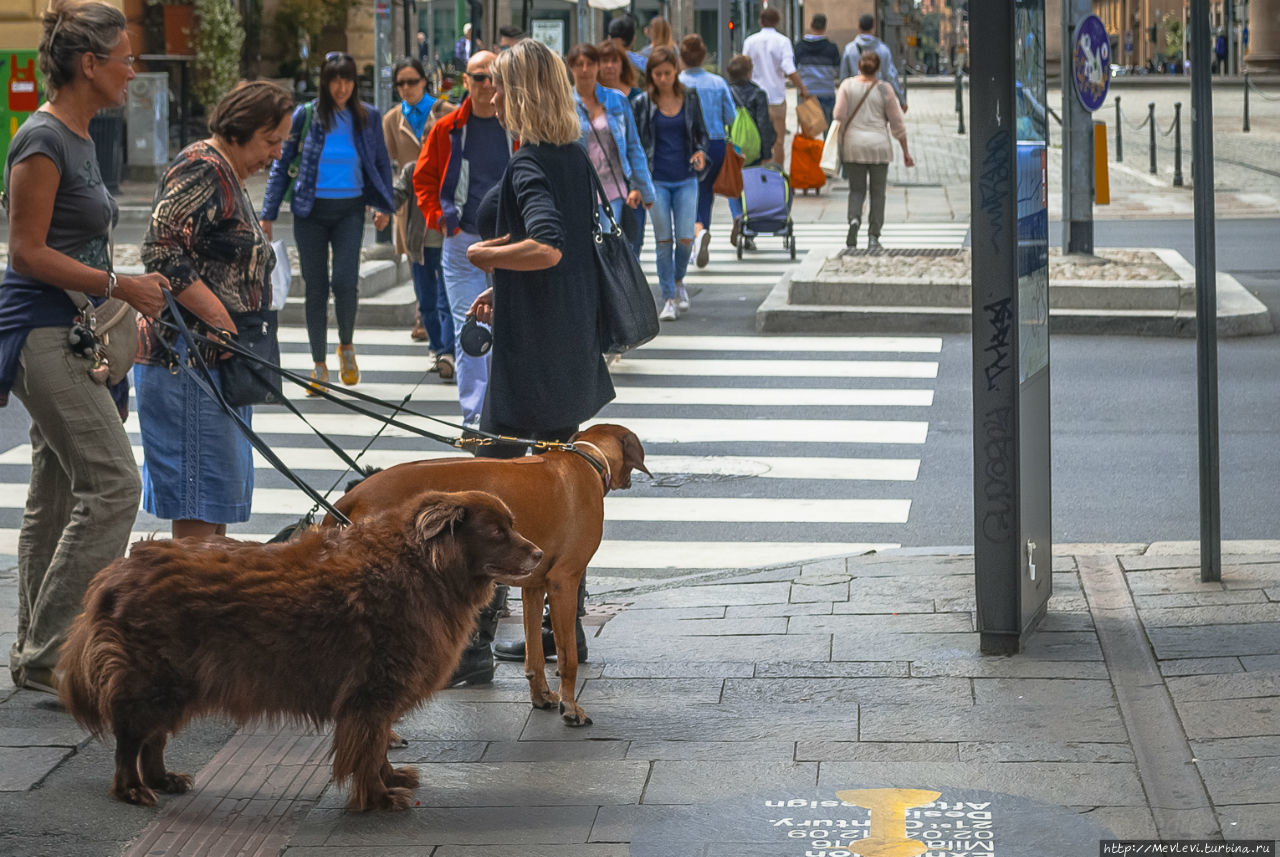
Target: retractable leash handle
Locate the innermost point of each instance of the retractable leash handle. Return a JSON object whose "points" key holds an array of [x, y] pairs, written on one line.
{"points": [[204, 380]]}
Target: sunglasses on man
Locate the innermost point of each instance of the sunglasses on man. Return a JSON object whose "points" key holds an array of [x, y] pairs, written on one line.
{"points": [[482, 77]]}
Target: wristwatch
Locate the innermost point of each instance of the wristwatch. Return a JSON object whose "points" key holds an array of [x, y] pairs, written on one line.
{"points": [[111, 282]]}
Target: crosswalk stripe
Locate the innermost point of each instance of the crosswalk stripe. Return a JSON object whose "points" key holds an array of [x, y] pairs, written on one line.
{"points": [[320, 460], [291, 501], [689, 342], [416, 365], [634, 554], [779, 368], [649, 430]]}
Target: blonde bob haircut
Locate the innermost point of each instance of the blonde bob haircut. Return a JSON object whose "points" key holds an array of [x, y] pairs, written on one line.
{"points": [[535, 89]]}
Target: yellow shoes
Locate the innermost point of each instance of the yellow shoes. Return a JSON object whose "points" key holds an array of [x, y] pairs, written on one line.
{"points": [[320, 373], [348, 371]]}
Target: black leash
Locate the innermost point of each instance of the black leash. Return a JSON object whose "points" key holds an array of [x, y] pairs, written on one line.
{"points": [[204, 380], [468, 439]]}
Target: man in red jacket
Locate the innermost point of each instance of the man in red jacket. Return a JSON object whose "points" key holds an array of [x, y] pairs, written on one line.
{"points": [[463, 157]]}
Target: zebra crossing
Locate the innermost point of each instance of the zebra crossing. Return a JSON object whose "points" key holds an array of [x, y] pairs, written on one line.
{"points": [[762, 449], [748, 468]]}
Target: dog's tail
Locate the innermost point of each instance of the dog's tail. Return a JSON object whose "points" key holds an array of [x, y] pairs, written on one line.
{"points": [[92, 659]]}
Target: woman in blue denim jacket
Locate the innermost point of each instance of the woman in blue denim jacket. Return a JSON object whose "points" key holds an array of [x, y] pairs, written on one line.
{"points": [[609, 134], [345, 167], [718, 112]]}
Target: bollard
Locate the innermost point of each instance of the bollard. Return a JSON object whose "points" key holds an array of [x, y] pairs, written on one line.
{"points": [[1119, 138], [1246, 101], [1177, 144], [1101, 178], [959, 102], [1151, 126]]}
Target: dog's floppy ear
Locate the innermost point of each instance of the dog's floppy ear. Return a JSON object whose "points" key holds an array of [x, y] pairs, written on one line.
{"points": [[632, 459], [437, 513]]}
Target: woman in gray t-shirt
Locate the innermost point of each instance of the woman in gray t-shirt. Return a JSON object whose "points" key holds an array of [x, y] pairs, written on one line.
{"points": [[84, 490]]}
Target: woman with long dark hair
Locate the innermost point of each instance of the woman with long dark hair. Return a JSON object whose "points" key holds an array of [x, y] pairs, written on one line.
{"points": [[344, 168], [674, 137]]}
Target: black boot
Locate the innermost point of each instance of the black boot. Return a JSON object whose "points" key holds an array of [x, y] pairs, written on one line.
{"points": [[851, 238], [514, 651], [476, 665]]}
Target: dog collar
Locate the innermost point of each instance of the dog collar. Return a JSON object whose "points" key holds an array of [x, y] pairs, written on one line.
{"points": [[601, 467]]}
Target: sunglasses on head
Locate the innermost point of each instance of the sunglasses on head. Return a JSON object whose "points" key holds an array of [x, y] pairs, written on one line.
{"points": [[335, 56]]}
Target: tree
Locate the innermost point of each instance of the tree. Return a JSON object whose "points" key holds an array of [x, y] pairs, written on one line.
{"points": [[219, 37]]}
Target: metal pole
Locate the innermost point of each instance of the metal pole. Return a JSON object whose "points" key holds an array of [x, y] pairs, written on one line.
{"points": [[1246, 101], [1119, 136], [1151, 128], [1077, 143], [959, 102], [1177, 144], [407, 6], [1206, 302]]}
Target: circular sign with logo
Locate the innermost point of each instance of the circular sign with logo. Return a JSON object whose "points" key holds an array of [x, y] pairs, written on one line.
{"points": [[869, 822], [1091, 62]]}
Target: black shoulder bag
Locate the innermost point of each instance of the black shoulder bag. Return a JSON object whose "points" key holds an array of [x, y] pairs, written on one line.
{"points": [[628, 316]]}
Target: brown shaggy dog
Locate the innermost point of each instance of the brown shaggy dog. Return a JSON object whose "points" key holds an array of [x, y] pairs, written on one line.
{"points": [[354, 626]]}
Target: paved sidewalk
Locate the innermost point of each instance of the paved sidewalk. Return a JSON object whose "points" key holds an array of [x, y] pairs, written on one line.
{"points": [[729, 706]]}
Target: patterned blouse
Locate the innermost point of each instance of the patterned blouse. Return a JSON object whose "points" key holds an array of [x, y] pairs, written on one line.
{"points": [[204, 228]]}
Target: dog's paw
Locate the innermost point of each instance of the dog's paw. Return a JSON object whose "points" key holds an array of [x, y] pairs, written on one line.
{"points": [[139, 795], [397, 799], [405, 777], [395, 742], [172, 784], [544, 700], [574, 717]]}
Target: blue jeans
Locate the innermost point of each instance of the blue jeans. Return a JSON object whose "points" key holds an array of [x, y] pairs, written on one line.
{"points": [[675, 205], [464, 282], [433, 301], [336, 223], [706, 192]]}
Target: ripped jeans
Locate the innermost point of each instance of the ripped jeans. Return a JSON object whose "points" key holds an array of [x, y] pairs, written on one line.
{"points": [[675, 206]]}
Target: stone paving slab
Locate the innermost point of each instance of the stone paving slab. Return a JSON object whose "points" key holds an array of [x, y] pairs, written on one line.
{"points": [[876, 751], [698, 751], [1222, 687], [695, 782], [988, 723], [1200, 666], [507, 825], [1232, 718], [1061, 783], [1218, 640], [923, 692], [22, 768]]}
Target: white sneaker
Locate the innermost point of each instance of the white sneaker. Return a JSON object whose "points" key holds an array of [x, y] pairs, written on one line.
{"points": [[669, 311], [682, 298], [704, 248]]}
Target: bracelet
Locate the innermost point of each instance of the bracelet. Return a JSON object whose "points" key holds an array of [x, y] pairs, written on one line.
{"points": [[111, 282]]}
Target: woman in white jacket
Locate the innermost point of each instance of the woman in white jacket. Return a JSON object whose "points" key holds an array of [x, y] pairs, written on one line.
{"points": [[869, 114]]}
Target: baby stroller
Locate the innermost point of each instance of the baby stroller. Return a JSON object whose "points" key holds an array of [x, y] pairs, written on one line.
{"points": [[766, 206]]}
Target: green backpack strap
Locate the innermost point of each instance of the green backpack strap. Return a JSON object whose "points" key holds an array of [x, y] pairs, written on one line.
{"points": [[308, 109]]}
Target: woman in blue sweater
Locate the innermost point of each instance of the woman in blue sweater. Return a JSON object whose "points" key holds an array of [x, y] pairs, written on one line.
{"points": [[344, 168]]}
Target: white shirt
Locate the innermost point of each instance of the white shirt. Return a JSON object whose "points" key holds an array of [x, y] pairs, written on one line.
{"points": [[772, 59]]}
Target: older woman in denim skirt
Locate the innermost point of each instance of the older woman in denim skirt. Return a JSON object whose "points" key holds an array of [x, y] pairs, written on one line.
{"points": [[197, 467]]}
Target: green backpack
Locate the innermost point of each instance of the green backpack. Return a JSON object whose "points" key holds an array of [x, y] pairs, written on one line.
{"points": [[744, 134]]}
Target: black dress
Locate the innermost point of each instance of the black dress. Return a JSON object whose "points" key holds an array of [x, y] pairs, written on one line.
{"points": [[547, 373]]}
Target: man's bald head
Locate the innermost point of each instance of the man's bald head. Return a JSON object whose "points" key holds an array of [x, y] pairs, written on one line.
{"points": [[479, 83], [480, 61]]}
